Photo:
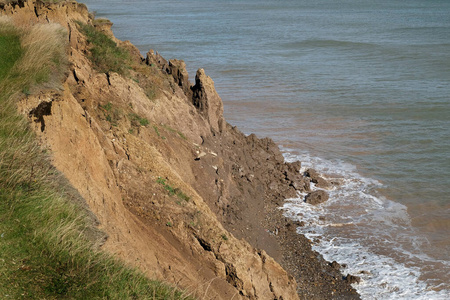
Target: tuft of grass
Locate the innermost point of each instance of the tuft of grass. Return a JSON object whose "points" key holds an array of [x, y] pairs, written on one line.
{"points": [[137, 120], [42, 53], [108, 106], [172, 190], [151, 92], [104, 52], [181, 135], [158, 133], [112, 115], [48, 241]]}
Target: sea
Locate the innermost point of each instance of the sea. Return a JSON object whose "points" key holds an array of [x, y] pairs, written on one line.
{"points": [[358, 90]]}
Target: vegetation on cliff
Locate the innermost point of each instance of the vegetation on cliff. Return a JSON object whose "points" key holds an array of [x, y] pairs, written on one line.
{"points": [[48, 242], [181, 194], [105, 55]]}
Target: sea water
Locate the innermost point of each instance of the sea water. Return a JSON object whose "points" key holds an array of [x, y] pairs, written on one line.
{"points": [[359, 90]]}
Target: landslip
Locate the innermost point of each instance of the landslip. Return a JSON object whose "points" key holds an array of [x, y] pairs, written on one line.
{"points": [[178, 192]]}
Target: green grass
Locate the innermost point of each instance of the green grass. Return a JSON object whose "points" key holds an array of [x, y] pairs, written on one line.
{"points": [[10, 51], [104, 52], [48, 241], [181, 135], [137, 120], [112, 115], [172, 190]]}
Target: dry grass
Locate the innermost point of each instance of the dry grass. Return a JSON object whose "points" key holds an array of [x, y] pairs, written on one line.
{"points": [[47, 245], [44, 59]]}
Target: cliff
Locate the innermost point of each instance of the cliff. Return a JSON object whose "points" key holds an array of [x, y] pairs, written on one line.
{"points": [[179, 192]]}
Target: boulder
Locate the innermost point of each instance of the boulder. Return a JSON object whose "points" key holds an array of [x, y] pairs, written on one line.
{"points": [[317, 179], [335, 265], [316, 197], [352, 279]]}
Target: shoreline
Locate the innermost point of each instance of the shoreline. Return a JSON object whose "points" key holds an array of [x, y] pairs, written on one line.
{"points": [[154, 179], [316, 278], [248, 70], [268, 229]]}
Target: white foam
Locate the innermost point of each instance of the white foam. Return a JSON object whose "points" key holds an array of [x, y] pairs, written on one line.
{"points": [[369, 233]]}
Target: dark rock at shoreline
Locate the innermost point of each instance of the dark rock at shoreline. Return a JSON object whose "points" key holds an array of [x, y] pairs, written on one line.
{"points": [[316, 197], [335, 265], [260, 182], [352, 279], [318, 180]]}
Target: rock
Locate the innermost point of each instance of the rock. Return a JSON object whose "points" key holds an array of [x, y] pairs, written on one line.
{"points": [[316, 197], [290, 227], [220, 264], [272, 149], [317, 179], [294, 166], [207, 101], [297, 185], [311, 173], [177, 68], [352, 279], [155, 59], [306, 185], [335, 265]]}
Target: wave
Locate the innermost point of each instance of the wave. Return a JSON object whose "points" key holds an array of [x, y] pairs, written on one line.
{"points": [[370, 234]]}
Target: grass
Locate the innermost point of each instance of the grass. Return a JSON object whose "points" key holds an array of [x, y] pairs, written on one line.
{"points": [[172, 190], [105, 55], [48, 242], [137, 120], [167, 127], [42, 53], [10, 51], [170, 129], [112, 115]]}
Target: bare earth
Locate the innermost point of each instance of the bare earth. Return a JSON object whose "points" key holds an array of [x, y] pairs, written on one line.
{"points": [[187, 197]]}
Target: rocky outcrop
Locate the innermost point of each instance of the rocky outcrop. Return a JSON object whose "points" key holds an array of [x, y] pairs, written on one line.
{"points": [[208, 102], [177, 68], [181, 194], [155, 59], [26, 12]]}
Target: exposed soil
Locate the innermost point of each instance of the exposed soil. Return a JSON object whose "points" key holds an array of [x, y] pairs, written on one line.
{"points": [[180, 193]]}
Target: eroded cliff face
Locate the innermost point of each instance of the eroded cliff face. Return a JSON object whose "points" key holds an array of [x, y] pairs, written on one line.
{"points": [[141, 178], [180, 193]]}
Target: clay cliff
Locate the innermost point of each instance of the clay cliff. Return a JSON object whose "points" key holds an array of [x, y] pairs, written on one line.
{"points": [[179, 192]]}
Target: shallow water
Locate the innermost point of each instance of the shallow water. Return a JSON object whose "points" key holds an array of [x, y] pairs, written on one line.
{"points": [[359, 89]]}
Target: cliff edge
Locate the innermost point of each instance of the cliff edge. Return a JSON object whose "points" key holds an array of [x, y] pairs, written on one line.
{"points": [[180, 193]]}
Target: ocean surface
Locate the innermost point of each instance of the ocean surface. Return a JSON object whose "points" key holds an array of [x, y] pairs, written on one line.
{"points": [[359, 90]]}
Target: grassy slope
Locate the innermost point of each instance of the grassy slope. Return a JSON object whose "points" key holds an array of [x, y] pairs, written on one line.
{"points": [[44, 248]]}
